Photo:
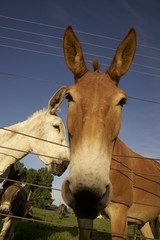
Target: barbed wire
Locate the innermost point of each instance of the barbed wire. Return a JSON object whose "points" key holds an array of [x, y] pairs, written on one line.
{"points": [[41, 139], [119, 200], [117, 169], [26, 152], [60, 225], [68, 226], [30, 184], [30, 136]]}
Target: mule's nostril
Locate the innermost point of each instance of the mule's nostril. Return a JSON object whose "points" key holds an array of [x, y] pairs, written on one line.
{"points": [[108, 189], [105, 198], [86, 204]]}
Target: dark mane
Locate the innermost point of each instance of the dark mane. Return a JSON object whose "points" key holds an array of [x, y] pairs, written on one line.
{"points": [[96, 65]]}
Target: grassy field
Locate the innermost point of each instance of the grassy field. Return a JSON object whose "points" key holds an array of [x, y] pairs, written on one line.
{"points": [[56, 229]]}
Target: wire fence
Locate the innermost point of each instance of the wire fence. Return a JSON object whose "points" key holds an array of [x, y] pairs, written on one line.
{"points": [[35, 43], [52, 223], [55, 189]]}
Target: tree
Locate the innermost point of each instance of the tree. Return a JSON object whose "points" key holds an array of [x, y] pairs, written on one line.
{"points": [[39, 196]]}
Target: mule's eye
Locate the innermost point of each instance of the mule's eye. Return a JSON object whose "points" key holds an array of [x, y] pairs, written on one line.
{"points": [[57, 127], [69, 97], [122, 101]]}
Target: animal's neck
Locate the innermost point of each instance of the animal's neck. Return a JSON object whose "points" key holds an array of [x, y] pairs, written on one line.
{"points": [[14, 146]]}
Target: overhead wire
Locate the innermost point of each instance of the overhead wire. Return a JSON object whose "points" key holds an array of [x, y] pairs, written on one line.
{"points": [[60, 55], [54, 47], [82, 32], [60, 38]]}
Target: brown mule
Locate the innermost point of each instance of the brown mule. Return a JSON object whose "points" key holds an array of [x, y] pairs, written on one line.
{"points": [[100, 176]]}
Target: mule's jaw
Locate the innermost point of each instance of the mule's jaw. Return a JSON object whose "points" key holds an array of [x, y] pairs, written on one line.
{"points": [[86, 203], [59, 168]]}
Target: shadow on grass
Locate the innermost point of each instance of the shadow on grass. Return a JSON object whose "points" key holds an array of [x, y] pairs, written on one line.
{"points": [[39, 231]]}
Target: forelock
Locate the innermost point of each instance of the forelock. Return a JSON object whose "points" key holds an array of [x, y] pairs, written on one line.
{"points": [[96, 65]]}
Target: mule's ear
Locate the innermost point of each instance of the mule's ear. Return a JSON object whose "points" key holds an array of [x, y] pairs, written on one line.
{"points": [[12, 171], [56, 99], [123, 57], [73, 54]]}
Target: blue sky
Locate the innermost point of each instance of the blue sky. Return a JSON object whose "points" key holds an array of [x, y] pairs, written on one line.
{"points": [[32, 66]]}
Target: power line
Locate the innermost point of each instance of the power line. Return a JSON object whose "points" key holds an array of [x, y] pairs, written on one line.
{"points": [[58, 55], [60, 38], [29, 50], [32, 22], [144, 100], [78, 31], [44, 80], [27, 76], [60, 48], [30, 42], [29, 32]]}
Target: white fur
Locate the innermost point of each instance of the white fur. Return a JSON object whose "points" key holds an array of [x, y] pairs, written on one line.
{"points": [[40, 125]]}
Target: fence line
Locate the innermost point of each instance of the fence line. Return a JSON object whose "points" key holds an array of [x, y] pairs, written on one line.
{"points": [[56, 189], [68, 226], [31, 136], [41, 139], [18, 150], [76, 227]]}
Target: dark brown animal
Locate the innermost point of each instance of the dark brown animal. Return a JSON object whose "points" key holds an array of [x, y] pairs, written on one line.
{"points": [[101, 177], [62, 211], [14, 203]]}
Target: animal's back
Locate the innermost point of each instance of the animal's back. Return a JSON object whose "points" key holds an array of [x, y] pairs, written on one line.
{"points": [[136, 182], [19, 204]]}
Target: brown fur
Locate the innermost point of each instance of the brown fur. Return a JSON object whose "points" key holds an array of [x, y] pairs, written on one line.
{"points": [[100, 177]]}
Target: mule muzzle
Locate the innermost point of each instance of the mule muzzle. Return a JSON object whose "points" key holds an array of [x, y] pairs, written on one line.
{"points": [[58, 169], [5, 207], [86, 202]]}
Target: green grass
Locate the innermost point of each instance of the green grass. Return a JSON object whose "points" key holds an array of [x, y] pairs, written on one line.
{"points": [[65, 229]]}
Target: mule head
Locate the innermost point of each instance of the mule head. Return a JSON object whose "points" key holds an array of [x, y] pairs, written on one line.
{"points": [[54, 151], [94, 116], [58, 166], [8, 197], [11, 188]]}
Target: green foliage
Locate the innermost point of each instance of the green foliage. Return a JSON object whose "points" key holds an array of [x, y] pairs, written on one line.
{"points": [[38, 196], [22, 170], [41, 196]]}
